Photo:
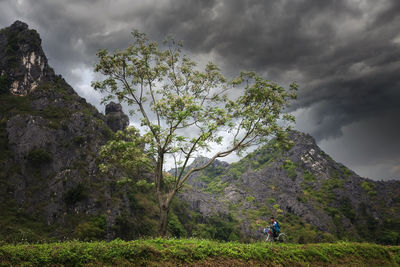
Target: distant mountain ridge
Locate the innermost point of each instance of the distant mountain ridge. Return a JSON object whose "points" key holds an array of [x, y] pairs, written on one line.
{"points": [[301, 186]]}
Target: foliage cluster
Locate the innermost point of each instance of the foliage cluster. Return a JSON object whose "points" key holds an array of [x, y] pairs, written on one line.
{"points": [[369, 188], [290, 167], [19, 227], [38, 156], [322, 192], [4, 84], [75, 194], [16, 226], [92, 229], [174, 97], [162, 252]]}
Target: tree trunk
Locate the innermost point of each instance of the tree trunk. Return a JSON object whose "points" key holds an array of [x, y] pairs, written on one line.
{"points": [[163, 222], [164, 204]]}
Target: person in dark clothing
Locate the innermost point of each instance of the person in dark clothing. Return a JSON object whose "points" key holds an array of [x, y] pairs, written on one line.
{"points": [[275, 227]]}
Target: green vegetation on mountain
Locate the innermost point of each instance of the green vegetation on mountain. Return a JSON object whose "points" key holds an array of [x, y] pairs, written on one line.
{"points": [[251, 190], [4, 85], [18, 225]]}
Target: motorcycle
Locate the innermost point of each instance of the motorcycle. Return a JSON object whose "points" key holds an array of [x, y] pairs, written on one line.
{"points": [[282, 237]]}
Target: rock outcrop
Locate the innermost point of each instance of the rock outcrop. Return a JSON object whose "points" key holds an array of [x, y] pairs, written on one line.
{"points": [[115, 117], [22, 59], [50, 138], [302, 184]]}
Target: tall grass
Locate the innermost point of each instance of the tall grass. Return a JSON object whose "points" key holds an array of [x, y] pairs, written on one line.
{"points": [[169, 252]]}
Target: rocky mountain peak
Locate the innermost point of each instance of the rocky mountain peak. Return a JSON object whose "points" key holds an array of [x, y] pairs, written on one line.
{"points": [[201, 160], [23, 64], [19, 25], [113, 107], [300, 138], [302, 182], [116, 118], [49, 138]]}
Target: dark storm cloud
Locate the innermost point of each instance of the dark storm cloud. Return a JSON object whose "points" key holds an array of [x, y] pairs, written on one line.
{"points": [[342, 52], [345, 55], [354, 72]]}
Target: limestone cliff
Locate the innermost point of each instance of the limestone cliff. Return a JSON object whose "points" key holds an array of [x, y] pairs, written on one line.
{"points": [[314, 197], [22, 59], [49, 140]]}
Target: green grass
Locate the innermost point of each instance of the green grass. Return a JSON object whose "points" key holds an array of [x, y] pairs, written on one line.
{"points": [[173, 252]]}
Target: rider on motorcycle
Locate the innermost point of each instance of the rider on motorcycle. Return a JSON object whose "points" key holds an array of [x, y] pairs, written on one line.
{"points": [[276, 228]]}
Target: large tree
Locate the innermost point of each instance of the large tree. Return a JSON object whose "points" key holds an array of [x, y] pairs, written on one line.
{"points": [[186, 110]]}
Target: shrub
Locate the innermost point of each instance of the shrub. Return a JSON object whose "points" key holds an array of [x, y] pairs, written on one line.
{"points": [[290, 167], [75, 195], [347, 209], [91, 230], [4, 84], [79, 140], [309, 177], [38, 157], [250, 199], [222, 228], [53, 112], [369, 188], [175, 227], [347, 172]]}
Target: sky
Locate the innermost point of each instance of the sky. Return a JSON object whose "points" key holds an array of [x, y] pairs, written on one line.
{"points": [[344, 55]]}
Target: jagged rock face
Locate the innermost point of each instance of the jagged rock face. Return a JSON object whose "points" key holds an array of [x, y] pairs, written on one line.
{"points": [[22, 59], [52, 137], [303, 182], [116, 118]]}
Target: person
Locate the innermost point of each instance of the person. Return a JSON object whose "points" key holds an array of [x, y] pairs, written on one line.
{"points": [[276, 228]]}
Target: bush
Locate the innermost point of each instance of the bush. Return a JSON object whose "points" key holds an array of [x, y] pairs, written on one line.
{"points": [[369, 188], [175, 227], [4, 84], [91, 230], [290, 167], [75, 195], [309, 177], [78, 140], [38, 157], [250, 199], [217, 228], [347, 209]]}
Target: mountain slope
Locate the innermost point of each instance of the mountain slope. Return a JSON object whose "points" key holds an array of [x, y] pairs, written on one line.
{"points": [[314, 197], [51, 187], [49, 140]]}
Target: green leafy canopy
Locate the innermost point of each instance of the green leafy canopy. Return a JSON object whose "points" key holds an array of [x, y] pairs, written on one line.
{"points": [[185, 110]]}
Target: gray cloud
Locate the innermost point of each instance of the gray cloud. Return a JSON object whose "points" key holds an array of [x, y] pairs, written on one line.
{"points": [[345, 55]]}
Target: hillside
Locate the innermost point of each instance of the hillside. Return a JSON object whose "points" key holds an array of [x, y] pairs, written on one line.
{"points": [[314, 197], [49, 138], [51, 188]]}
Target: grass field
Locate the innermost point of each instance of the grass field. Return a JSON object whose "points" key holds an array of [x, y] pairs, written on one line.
{"points": [[195, 252]]}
